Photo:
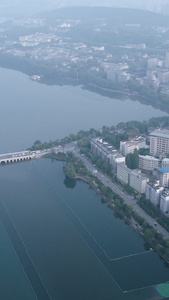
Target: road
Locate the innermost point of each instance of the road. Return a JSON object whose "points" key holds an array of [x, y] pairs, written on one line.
{"points": [[107, 182]]}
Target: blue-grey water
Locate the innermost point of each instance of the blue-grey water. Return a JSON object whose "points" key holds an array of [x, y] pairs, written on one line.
{"points": [[79, 247], [58, 240], [31, 111]]}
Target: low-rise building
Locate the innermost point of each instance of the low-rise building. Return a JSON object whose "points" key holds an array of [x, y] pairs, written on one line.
{"points": [[130, 145], [148, 163]]}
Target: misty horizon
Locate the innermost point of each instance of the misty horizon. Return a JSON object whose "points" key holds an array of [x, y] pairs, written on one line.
{"points": [[10, 8]]}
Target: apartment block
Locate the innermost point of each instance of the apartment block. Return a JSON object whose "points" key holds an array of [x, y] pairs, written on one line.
{"points": [[153, 192], [130, 145], [148, 163], [107, 153], [165, 163], [133, 178], [159, 142], [163, 174], [164, 201], [138, 182], [123, 174]]}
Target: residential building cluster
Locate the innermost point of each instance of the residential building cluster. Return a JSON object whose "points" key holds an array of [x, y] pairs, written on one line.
{"points": [[107, 153], [50, 43], [152, 176], [157, 74]]}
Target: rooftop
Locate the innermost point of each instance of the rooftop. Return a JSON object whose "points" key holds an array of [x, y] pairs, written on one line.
{"points": [[163, 170], [160, 133]]}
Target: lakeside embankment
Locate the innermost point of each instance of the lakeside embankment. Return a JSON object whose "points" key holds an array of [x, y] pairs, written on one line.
{"points": [[75, 169], [127, 93]]}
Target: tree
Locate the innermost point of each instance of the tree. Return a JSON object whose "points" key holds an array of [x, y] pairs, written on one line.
{"points": [[69, 170], [132, 160], [149, 234]]}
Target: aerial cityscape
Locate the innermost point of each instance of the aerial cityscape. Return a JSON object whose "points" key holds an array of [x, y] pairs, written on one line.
{"points": [[84, 159]]}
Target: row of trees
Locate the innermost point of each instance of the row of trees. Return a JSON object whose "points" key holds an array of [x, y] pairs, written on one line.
{"points": [[154, 238], [112, 135], [75, 168]]}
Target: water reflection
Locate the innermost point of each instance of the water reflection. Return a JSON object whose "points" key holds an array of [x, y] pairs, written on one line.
{"points": [[69, 183]]}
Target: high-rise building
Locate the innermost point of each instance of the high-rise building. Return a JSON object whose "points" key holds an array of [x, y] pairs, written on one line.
{"points": [[159, 142]]}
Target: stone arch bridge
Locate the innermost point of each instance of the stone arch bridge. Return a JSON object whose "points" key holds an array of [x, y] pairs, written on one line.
{"points": [[14, 157]]}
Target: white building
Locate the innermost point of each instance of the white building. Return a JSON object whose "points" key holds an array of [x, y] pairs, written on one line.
{"points": [[164, 177], [133, 178], [129, 146], [138, 182], [159, 142], [163, 76], [148, 162], [153, 192], [107, 153], [164, 201], [118, 75], [123, 174], [115, 160], [152, 63], [165, 163]]}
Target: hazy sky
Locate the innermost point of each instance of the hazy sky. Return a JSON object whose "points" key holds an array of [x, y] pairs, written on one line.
{"points": [[35, 6]]}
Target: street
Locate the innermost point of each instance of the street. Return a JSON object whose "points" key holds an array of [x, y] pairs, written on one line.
{"points": [[107, 182]]}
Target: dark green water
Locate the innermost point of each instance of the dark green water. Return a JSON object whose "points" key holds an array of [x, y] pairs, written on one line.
{"points": [[75, 242]]}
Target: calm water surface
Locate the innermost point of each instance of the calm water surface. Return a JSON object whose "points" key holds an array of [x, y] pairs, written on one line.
{"points": [[71, 237], [69, 244], [31, 111]]}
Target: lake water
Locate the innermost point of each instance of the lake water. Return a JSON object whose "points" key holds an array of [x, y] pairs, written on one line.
{"points": [[31, 111], [60, 242]]}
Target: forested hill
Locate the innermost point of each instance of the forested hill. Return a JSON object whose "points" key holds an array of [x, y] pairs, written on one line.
{"points": [[114, 16]]}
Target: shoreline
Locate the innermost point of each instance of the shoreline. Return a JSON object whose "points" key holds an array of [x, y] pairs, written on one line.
{"points": [[73, 82], [131, 222]]}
